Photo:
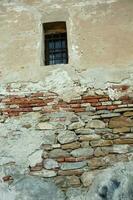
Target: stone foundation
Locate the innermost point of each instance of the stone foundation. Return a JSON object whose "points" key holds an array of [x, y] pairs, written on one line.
{"points": [[69, 142]]}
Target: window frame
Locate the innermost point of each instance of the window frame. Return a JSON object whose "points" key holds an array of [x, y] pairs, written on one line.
{"points": [[51, 30]]}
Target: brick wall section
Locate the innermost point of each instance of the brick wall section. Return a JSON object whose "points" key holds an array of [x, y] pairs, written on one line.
{"points": [[99, 135]]}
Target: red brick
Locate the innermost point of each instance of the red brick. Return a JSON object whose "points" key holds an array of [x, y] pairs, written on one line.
{"points": [[75, 105], [121, 88], [104, 99], [124, 97], [37, 94], [91, 97], [77, 101], [88, 101], [62, 159], [96, 104], [7, 178], [101, 107], [78, 110], [112, 107]]}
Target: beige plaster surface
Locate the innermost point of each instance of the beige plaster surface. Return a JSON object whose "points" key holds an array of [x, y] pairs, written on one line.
{"points": [[100, 40]]}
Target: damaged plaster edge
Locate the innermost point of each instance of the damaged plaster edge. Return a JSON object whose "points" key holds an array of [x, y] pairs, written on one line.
{"points": [[70, 85]]}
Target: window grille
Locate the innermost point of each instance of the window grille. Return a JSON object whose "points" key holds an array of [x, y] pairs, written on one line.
{"points": [[56, 51]]}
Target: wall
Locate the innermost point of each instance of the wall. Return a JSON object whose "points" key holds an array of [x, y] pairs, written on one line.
{"points": [[66, 122]]}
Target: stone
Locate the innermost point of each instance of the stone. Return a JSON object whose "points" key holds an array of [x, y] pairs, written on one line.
{"points": [[73, 145], [101, 143], [47, 147], [82, 152], [120, 148], [66, 137], [45, 126], [103, 131], [73, 165], [44, 173], [119, 122], [123, 109], [76, 172], [123, 141], [35, 158], [56, 146], [128, 114], [88, 177], [30, 187], [44, 118], [85, 144], [45, 154], [110, 115], [127, 136], [76, 125], [72, 181], [121, 130], [84, 131], [99, 152], [109, 184], [56, 153], [50, 164], [95, 124], [102, 162], [89, 137], [67, 181]]}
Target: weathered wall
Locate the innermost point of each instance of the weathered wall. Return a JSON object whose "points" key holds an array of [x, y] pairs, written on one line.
{"points": [[66, 122], [99, 40]]}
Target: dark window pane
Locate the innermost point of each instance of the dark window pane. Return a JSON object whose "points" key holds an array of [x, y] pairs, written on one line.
{"points": [[63, 43], [51, 45], [56, 49], [58, 44]]}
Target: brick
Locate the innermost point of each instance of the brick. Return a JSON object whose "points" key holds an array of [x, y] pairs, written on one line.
{"points": [[78, 110], [104, 99], [7, 178], [113, 107], [37, 94], [90, 97], [75, 105], [101, 107], [61, 159]]}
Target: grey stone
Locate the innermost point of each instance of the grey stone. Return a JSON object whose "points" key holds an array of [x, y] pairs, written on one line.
{"points": [[87, 152], [76, 125], [95, 124], [58, 153], [67, 137], [114, 183], [123, 109], [45, 126], [89, 137], [73, 165], [84, 131], [110, 115], [102, 131], [44, 173], [50, 164], [30, 188], [88, 177]]}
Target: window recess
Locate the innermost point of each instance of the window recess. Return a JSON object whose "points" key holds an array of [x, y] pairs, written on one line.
{"points": [[55, 43]]}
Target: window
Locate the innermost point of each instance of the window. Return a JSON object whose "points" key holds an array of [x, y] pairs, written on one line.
{"points": [[56, 51]]}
